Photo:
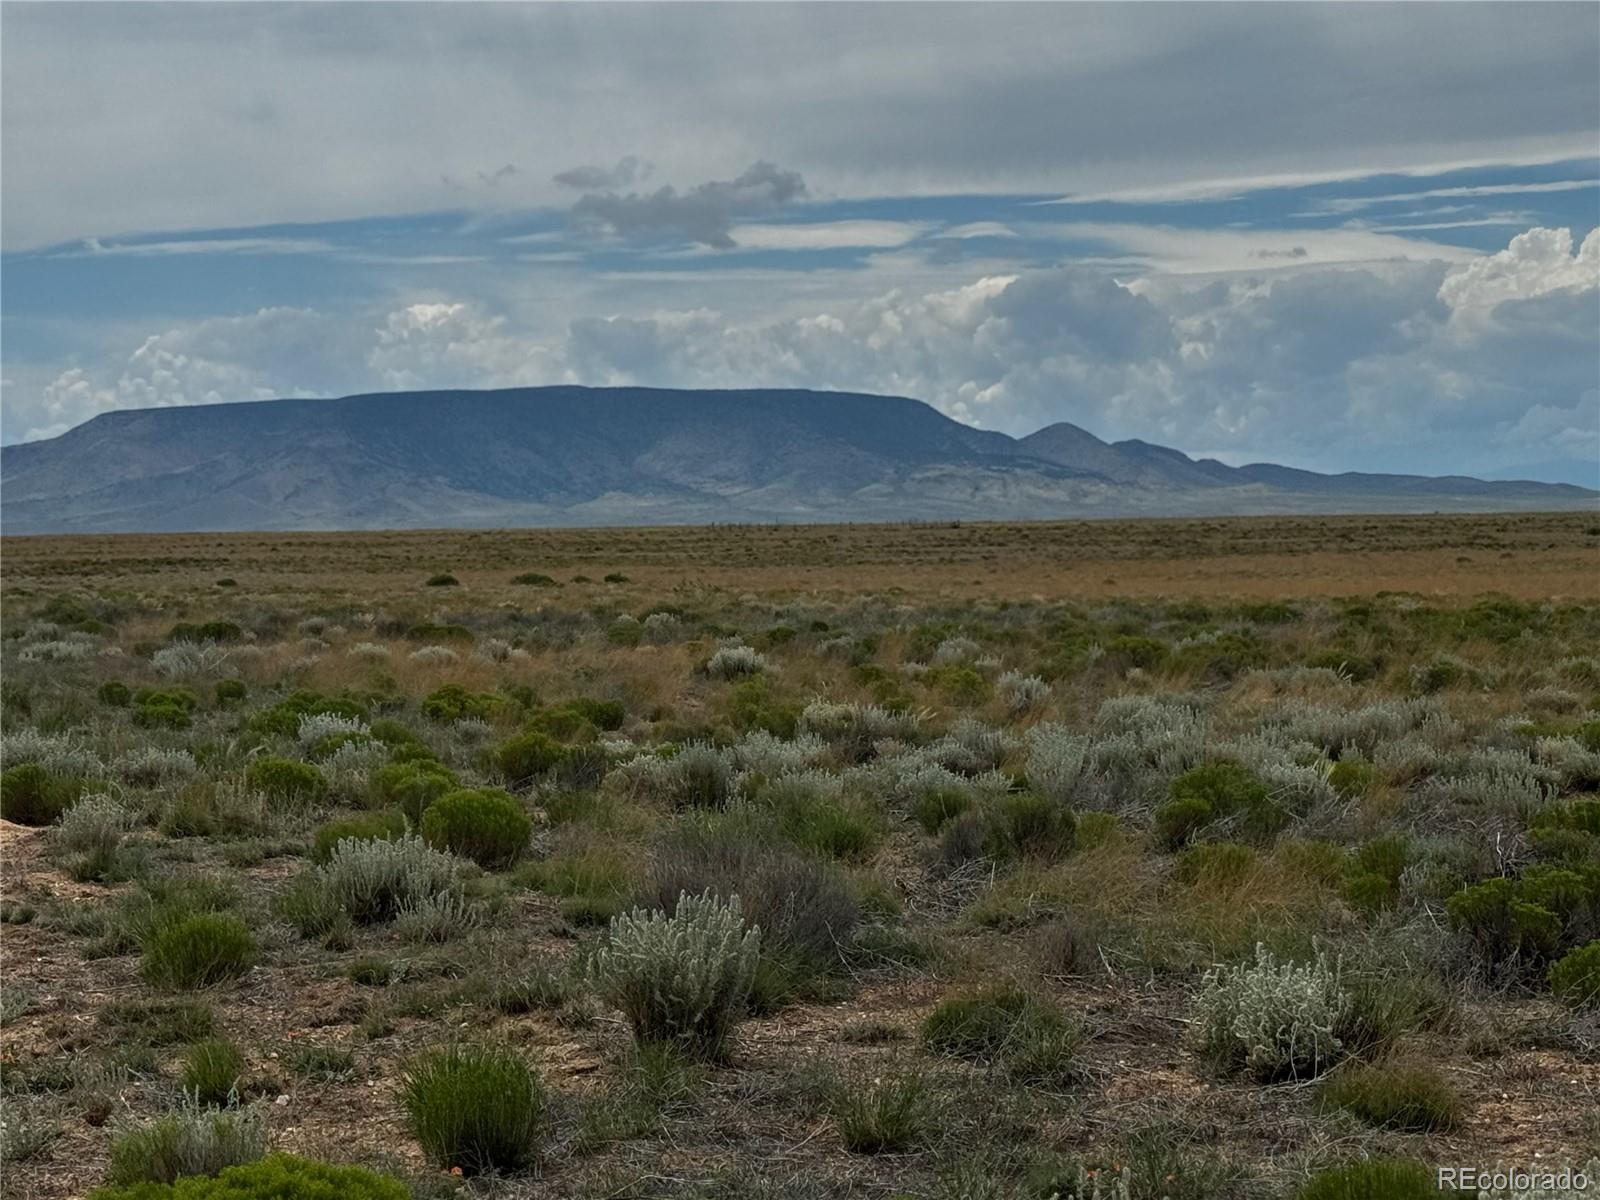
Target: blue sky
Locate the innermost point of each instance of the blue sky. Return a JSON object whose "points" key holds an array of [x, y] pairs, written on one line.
{"points": [[1342, 237]]}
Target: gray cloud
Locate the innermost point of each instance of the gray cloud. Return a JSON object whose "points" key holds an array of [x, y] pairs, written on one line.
{"points": [[703, 214], [151, 118], [629, 170]]}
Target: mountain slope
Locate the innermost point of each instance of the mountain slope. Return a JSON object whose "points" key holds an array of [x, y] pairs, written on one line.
{"points": [[571, 455]]}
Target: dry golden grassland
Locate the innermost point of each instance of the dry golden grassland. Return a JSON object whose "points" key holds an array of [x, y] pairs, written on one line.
{"points": [[1206, 858]]}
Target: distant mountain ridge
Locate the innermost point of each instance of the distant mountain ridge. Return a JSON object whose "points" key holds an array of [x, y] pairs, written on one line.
{"points": [[604, 456]]}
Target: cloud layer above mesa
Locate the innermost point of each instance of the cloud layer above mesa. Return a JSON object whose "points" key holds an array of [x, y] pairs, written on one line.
{"points": [[1342, 236]]}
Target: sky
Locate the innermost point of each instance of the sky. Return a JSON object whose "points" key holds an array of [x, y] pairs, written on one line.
{"points": [[1342, 237]]}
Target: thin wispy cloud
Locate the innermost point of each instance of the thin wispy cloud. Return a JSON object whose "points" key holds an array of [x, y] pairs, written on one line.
{"points": [[96, 248], [1347, 204]]}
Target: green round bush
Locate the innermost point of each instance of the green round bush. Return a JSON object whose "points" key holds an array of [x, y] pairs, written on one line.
{"points": [[1575, 977], [1232, 791], [198, 951], [276, 1177], [563, 722], [412, 786], [31, 795], [414, 752], [487, 826], [1131, 650], [115, 693], [528, 755], [1226, 786], [479, 1108], [452, 702], [286, 779], [231, 691], [443, 579]]}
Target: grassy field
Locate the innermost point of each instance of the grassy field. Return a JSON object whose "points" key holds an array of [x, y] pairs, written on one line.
{"points": [[1188, 859]]}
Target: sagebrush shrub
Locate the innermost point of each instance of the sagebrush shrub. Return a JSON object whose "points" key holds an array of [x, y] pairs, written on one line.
{"points": [[182, 659], [276, 1177], [476, 1108], [1275, 1019], [373, 880], [440, 918], [697, 776], [286, 779], [683, 978], [1056, 762], [1022, 693], [198, 951], [804, 906], [151, 766], [319, 728], [732, 661], [94, 829], [854, 730], [489, 827], [188, 1141]]}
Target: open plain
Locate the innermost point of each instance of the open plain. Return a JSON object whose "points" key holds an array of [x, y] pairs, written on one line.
{"points": [[1246, 858]]}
